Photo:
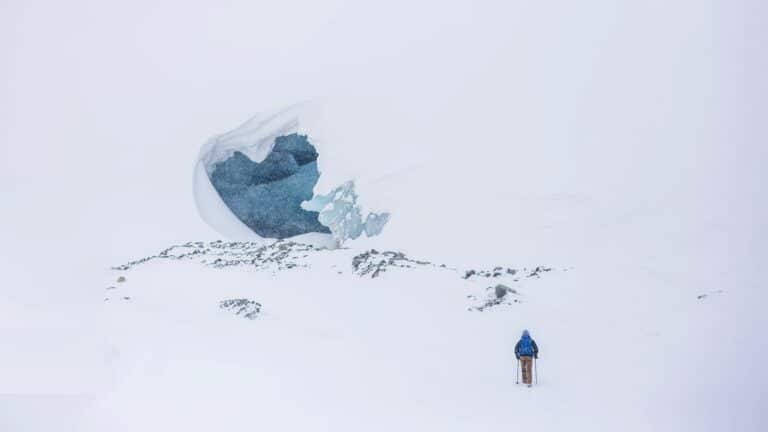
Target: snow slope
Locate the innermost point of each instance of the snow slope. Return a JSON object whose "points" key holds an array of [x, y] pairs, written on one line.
{"points": [[336, 351], [621, 141]]}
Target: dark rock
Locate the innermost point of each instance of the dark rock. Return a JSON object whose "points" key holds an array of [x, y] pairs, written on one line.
{"points": [[374, 263], [502, 290], [248, 308]]}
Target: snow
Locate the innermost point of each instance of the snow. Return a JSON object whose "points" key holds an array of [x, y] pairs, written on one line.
{"points": [[619, 144], [402, 351]]}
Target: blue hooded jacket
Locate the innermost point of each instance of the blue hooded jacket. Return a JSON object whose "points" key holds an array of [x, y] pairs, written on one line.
{"points": [[526, 346]]}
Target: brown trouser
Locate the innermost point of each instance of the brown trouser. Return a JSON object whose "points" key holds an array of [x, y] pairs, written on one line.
{"points": [[526, 364]]}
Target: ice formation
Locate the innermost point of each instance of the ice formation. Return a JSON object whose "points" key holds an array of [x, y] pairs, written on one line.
{"points": [[340, 212], [258, 182], [266, 196]]}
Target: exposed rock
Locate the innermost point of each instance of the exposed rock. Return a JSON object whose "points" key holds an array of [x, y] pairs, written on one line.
{"points": [[279, 255], [286, 255], [495, 296], [502, 290], [494, 273], [538, 270], [247, 308], [703, 296], [373, 262], [492, 302]]}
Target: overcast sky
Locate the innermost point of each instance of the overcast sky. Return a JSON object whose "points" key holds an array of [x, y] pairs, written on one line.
{"points": [[663, 101]]}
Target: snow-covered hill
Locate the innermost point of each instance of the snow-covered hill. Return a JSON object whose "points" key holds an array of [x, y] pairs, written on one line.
{"points": [[620, 145], [336, 345]]}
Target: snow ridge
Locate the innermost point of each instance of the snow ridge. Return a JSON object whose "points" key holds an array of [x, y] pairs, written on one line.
{"points": [[284, 255]]}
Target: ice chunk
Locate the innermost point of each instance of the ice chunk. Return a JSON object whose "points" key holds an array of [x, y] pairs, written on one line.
{"points": [[266, 196], [340, 212], [255, 182]]}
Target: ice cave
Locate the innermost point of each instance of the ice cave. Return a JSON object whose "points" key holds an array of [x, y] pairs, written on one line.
{"points": [[258, 182]]}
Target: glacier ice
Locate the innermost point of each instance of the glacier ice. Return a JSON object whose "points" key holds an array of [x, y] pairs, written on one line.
{"points": [[259, 181], [266, 196], [340, 212]]}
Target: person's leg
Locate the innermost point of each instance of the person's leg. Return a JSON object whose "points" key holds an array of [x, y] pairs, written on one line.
{"points": [[526, 364], [530, 370]]}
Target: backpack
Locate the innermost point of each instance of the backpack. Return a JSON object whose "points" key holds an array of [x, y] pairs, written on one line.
{"points": [[526, 347]]}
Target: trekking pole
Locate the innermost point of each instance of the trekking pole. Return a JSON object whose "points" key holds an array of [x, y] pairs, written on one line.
{"points": [[517, 372]]}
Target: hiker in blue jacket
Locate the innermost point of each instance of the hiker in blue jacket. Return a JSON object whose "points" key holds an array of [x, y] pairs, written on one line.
{"points": [[526, 350]]}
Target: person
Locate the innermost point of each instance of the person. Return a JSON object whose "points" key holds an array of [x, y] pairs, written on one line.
{"points": [[526, 350]]}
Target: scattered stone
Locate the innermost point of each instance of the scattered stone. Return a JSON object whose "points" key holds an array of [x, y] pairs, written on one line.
{"points": [[248, 308], [703, 296], [279, 255], [538, 270], [494, 273], [502, 290], [126, 298], [373, 262], [497, 295], [287, 255], [491, 302]]}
